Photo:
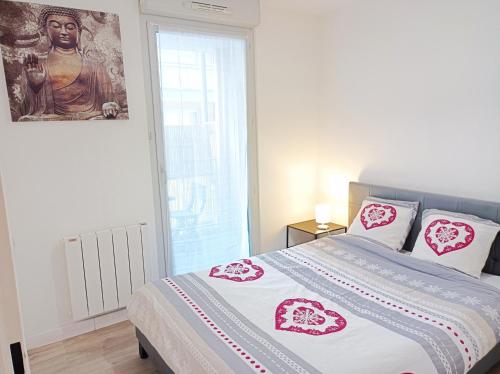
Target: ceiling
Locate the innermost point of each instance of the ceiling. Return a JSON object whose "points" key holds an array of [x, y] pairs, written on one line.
{"points": [[307, 6]]}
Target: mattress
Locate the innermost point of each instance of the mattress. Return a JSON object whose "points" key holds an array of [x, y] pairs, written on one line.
{"points": [[336, 305]]}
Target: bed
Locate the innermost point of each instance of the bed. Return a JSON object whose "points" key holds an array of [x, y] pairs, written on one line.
{"points": [[340, 304]]}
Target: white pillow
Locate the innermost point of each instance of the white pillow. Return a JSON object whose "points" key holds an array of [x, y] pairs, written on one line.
{"points": [[456, 240], [386, 221]]}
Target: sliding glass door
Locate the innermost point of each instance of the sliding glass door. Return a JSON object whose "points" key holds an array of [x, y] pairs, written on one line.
{"points": [[203, 153]]}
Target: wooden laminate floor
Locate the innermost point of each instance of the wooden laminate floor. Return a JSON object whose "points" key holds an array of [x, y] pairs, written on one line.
{"points": [[112, 350]]}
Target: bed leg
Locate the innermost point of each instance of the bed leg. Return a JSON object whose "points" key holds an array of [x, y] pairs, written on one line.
{"points": [[142, 352]]}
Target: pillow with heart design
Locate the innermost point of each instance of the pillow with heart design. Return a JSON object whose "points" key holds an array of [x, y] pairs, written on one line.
{"points": [[386, 221], [456, 240]]}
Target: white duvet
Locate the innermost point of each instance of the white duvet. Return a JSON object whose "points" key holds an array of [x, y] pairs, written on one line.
{"points": [[336, 305]]}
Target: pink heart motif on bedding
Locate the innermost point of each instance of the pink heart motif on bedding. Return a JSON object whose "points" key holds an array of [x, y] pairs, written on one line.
{"points": [[444, 236], [239, 271], [377, 215], [307, 317]]}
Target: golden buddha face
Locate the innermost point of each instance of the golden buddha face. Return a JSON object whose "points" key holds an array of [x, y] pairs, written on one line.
{"points": [[63, 31]]}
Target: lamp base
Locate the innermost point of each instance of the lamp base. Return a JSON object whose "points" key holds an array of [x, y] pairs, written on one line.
{"points": [[323, 226]]}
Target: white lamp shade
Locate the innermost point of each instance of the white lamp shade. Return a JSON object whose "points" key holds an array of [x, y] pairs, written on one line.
{"points": [[323, 213]]}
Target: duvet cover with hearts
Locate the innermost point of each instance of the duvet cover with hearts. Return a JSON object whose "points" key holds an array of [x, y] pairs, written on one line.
{"points": [[336, 305]]}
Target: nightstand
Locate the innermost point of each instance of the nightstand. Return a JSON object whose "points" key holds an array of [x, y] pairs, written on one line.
{"points": [[311, 228]]}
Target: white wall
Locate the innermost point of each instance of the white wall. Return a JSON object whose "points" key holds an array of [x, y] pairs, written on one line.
{"points": [[66, 178], [411, 97], [11, 330], [5, 357], [287, 72]]}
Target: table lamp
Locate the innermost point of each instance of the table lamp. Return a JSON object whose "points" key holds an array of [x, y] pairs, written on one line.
{"points": [[323, 215]]}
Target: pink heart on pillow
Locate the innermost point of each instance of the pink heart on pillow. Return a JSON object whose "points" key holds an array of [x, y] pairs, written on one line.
{"points": [[444, 236], [377, 215]]}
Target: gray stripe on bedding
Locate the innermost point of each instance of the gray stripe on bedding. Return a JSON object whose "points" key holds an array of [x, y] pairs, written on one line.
{"points": [[222, 350], [429, 273], [420, 269], [414, 306], [274, 356], [440, 348]]}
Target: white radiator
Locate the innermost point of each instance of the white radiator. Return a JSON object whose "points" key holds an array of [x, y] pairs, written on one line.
{"points": [[105, 268]]}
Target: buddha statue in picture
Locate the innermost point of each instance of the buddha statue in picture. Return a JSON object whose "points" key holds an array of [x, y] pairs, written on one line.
{"points": [[64, 82]]}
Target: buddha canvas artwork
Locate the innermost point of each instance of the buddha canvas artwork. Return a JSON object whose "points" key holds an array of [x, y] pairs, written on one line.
{"points": [[62, 63]]}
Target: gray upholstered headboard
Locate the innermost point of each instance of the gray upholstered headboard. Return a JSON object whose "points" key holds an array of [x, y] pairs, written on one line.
{"points": [[483, 209]]}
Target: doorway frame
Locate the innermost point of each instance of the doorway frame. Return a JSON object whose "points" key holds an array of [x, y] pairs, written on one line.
{"points": [[150, 25]]}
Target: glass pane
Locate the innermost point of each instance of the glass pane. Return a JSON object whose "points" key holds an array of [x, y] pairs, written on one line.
{"points": [[203, 85]]}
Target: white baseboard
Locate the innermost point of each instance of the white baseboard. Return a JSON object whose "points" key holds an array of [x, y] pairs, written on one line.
{"points": [[75, 329], [110, 319]]}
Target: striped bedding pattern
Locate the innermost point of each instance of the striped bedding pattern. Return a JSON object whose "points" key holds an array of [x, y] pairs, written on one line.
{"points": [[336, 305]]}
